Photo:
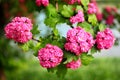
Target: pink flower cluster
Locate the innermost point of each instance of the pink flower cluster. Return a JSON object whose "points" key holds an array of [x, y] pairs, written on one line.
{"points": [[105, 39], [72, 1], [50, 56], [74, 64], [111, 12], [110, 9], [42, 2], [99, 16], [19, 29], [110, 19], [91, 8], [77, 18], [78, 41]]}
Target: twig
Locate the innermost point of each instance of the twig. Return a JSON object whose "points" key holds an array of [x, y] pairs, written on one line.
{"points": [[56, 6], [35, 39]]}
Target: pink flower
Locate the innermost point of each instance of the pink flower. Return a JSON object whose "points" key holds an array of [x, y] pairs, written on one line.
{"points": [[45, 2], [73, 47], [72, 1], [27, 22], [78, 41], [108, 9], [74, 64], [114, 9], [79, 1], [110, 20], [42, 2], [77, 18], [38, 2], [99, 16], [105, 39], [50, 56], [19, 29], [91, 8]]}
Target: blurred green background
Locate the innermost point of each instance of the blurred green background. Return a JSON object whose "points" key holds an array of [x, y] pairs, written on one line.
{"points": [[18, 65], [99, 69]]}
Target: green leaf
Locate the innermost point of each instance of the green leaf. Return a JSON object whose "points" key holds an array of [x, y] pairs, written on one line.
{"points": [[87, 27], [102, 27], [52, 70], [78, 7], [31, 44], [55, 31], [35, 30], [61, 71], [84, 24], [60, 5], [75, 58], [86, 59], [51, 21], [36, 48], [35, 53], [67, 11], [85, 2], [69, 57], [27, 46], [92, 19], [61, 19], [24, 47], [96, 29], [51, 11], [59, 42], [68, 60], [94, 49]]}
